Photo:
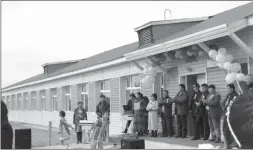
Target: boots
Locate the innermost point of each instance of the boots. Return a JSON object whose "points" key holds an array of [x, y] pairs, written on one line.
{"points": [[155, 133], [152, 133]]}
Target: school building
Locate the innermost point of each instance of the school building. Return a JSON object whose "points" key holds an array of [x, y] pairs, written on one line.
{"points": [[118, 72]]}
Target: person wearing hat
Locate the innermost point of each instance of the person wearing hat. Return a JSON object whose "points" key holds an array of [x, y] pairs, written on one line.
{"points": [[238, 122]]}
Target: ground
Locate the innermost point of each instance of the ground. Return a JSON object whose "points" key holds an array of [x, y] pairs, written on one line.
{"points": [[40, 140]]}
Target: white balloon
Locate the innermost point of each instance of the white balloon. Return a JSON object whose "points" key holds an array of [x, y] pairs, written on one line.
{"points": [[236, 67], [145, 71], [222, 51], [221, 65], [229, 58], [227, 65], [230, 78], [220, 58], [150, 79], [213, 53], [143, 81], [240, 77]]}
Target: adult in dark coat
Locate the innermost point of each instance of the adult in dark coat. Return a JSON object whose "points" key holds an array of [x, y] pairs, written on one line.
{"points": [[6, 129], [139, 120], [214, 113], [205, 93], [130, 103], [79, 114], [182, 106], [230, 96], [102, 107], [197, 111], [238, 122], [165, 106]]}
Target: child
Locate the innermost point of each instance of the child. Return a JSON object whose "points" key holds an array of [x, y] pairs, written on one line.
{"points": [[63, 124], [99, 132]]}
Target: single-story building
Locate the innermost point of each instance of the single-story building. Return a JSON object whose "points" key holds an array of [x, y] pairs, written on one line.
{"points": [[118, 72]]}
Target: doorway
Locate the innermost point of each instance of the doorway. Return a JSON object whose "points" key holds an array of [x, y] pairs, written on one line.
{"points": [[188, 81]]}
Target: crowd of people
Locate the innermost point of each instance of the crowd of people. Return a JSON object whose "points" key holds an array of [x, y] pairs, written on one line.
{"points": [[204, 105]]}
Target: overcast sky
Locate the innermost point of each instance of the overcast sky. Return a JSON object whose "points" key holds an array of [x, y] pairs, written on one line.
{"points": [[34, 33]]}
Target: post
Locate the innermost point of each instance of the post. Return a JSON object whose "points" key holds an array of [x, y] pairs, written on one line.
{"points": [[50, 133]]}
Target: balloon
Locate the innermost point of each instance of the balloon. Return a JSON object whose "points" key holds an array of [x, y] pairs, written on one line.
{"points": [[236, 67], [230, 78], [171, 55], [227, 65], [222, 51], [145, 71], [189, 52], [220, 58], [151, 71], [143, 81], [240, 77], [213, 53], [221, 65], [229, 58]]}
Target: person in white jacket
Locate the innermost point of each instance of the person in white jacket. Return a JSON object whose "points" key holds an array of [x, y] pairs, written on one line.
{"points": [[152, 109]]}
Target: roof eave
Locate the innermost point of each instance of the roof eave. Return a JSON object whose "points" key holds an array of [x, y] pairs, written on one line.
{"points": [[195, 38], [152, 23], [62, 62]]}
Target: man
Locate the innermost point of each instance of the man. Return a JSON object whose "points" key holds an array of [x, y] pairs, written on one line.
{"points": [[197, 112], [165, 106], [182, 101], [102, 107], [130, 108], [205, 93], [230, 96], [79, 114], [214, 113], [238, 122]]}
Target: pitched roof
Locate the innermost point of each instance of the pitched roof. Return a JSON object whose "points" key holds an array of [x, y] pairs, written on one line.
{"points": [[228, 16], [90, 61]]}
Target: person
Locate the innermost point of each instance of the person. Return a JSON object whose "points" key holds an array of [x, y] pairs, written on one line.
{"points": [[79, 114], [146, 100], [64, 125], [182, 102], [130, 108], [238, 122], [197, 111], [249, 81], [231, 94], [99, 134], [165, 106], [139, 114], [214, 113], [152, 109], [102, 107], [205, 93], [6, 128]]}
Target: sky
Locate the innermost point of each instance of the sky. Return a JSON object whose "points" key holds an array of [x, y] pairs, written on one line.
{"points": [[39, 32]]}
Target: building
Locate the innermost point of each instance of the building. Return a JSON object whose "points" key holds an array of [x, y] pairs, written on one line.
{"points": [[118, 72]]}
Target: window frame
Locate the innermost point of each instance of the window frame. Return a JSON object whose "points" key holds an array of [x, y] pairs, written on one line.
{"points": [[33, 100], [83, 94], [54, 99], [67, 98], [25, 101], [102, 90], [13, 102], [19, 99], [131, 88], [42, 100]]}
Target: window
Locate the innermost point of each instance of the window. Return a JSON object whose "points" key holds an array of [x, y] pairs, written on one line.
{"points": [[67, 98], [8, 102], [84, 95], [19, 99], [133, 83], [33, 100], [43, 100], [244, 67], [105, 88], [54, 99], [13, 102], [162, 84], [25, 104]]}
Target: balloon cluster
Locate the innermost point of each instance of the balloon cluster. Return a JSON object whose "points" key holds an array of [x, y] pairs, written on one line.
{"points": [[150, 73], [225, 62], [191, 51]]}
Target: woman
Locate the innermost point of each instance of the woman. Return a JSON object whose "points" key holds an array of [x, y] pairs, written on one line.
{"points": [[139, 114], [152, 109], [6, 129], [79, 114]]}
